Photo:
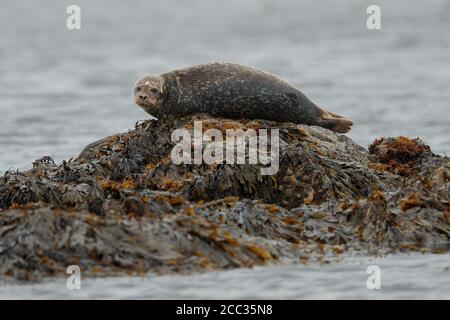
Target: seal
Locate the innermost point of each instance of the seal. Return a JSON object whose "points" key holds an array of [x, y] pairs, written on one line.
{"points": [[231, 90]]}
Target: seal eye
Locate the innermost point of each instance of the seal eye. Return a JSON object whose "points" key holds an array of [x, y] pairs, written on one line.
{"points": [[154, 91], [138, 89]]}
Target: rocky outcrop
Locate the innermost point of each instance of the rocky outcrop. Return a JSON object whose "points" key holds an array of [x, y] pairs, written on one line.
{"points": [[123, 206]]}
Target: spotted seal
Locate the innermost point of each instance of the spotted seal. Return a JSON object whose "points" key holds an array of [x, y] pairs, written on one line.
{"points": [[231, 91]]}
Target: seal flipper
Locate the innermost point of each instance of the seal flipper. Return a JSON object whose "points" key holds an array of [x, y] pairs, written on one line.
{"points": [[335, 115], [334, 121]]}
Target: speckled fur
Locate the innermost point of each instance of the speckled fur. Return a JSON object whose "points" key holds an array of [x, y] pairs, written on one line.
{"points": [[237, 91]]}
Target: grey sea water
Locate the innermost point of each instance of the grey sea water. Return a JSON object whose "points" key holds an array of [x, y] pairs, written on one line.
{"points": [[62, 89], [415, 276]]}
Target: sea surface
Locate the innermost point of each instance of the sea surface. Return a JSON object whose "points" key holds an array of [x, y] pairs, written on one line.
{"points": [[404, 276], [61, 89]]}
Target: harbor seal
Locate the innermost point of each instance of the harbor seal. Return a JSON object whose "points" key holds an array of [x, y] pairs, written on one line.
{"points": [[231, 90]]}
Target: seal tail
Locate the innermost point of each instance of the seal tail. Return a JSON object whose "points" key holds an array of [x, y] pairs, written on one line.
{"points": [[334, 121]]}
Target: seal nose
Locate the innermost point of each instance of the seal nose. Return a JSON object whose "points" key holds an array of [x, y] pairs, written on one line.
{"points": [[142, 97]]}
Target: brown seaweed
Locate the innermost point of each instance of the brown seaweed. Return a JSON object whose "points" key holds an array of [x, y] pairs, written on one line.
{"points": [[122, 206]]}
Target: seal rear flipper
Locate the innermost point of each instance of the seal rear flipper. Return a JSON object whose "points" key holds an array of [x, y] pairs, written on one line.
{"points": [[334, 122], [336, 115], [341, 125]]}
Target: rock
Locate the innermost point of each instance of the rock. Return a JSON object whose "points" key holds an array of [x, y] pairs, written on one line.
{"points": [[122, 206]]}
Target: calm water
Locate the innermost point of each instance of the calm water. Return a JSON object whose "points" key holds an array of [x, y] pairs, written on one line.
{"points": [[414, 276], [61, 89]]}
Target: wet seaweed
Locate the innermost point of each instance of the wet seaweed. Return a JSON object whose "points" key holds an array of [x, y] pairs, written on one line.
{"points": [[122, 207]]}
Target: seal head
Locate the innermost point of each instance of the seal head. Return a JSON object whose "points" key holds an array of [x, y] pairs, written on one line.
{"points": [[149, 93]]}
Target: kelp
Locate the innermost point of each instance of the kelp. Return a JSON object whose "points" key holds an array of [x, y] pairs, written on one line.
{"points": [[123, 207]]}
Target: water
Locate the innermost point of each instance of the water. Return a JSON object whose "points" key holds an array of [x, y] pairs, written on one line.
{"points": [[415, 276], [61, 89]]}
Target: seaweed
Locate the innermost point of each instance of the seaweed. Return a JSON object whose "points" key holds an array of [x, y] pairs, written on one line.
{"points": [[122, 207], [397, 155]]}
